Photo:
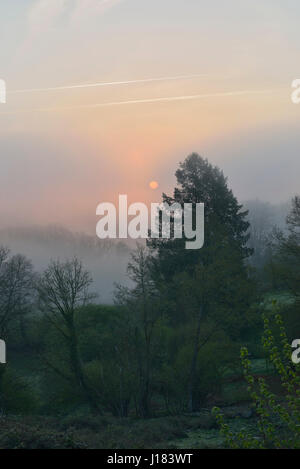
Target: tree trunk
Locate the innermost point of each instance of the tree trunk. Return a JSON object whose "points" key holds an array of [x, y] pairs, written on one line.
{"points": [[145, 398], [77, 369], [192, 377], [2, 399]]}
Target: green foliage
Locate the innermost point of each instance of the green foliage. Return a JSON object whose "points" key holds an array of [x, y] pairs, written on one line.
{"points": [[16, 393], [278, 415], [18, 435], [126, 375]]}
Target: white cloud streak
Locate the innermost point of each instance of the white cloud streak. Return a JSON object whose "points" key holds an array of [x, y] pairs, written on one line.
{"points": [[111, 83], [185, 97], [223, 94]]}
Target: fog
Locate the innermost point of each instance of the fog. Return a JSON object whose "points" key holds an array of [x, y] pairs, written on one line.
{"points": [[104, 259], [107, 260]]}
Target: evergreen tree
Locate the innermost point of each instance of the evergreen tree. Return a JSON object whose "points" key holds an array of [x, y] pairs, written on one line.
{"points": [[216, 285]]}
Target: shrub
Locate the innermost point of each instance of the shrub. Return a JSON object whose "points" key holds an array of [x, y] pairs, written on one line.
{"points": [[278, 415]]}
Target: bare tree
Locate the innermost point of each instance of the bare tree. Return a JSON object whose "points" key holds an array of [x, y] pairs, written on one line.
{"points": [[62, 288], [16, 289], [293, 219], [143, 302]]}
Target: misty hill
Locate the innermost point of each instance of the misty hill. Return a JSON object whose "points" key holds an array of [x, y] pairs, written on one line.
{"points": [[105, 259]]}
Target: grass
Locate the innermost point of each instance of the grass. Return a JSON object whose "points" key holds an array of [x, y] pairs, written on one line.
{"points": [[185, 431]]}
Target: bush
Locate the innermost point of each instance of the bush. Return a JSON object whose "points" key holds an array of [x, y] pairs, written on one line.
{"points": [[16, 393], [278, 415], [17, 435]]}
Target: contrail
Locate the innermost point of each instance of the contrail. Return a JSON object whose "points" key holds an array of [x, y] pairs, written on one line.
{"points": [[154, 100], [110, 83], [181, 98]]}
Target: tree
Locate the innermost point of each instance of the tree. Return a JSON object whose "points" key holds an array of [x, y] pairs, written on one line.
{"points": [[293, 219], [63, 288], [283, 269], [198, 181], [262, 221], [284, 265], [278, 423], [289, 250], [217, 273], [143, 303], [16, 289]]}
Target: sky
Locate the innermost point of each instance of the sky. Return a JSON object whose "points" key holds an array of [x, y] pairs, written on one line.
{"points": [[169, 77]]}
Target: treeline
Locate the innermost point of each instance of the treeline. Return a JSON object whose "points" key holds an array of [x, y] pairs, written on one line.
{"points": [[170, 341]]}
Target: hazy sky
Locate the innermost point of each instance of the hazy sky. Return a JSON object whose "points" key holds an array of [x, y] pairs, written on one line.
{"points": [[61, 155]]}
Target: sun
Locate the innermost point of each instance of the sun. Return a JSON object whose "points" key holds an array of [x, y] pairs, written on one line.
{"points": [[153, 185]]}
